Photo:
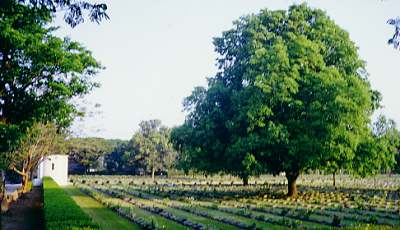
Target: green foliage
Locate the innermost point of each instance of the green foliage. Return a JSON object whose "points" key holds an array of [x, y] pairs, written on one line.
{"points": [[150, 146], [149, 149], [87, 151], [288, 95], [116, 161], [73, 10], [60, 211], [377, 153], [9, 136], [39, 73]]}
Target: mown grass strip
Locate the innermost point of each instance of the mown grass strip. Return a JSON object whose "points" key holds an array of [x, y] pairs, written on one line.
{"points": [[103, 216], [61, 212]]}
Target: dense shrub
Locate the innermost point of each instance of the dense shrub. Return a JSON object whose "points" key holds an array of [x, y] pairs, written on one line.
{"points": [[61, 212]]}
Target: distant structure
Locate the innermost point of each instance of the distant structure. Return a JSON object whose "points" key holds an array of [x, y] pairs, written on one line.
{"points": [[54, 166]]}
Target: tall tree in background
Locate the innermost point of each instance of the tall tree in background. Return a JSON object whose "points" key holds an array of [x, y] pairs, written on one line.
{"points": [[287, 98], [152, 148], [377, 153]]}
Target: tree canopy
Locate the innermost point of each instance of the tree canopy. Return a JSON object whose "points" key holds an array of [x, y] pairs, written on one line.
{"points": [[151, 148], [289, 96], [377, 152], [39, 73]]}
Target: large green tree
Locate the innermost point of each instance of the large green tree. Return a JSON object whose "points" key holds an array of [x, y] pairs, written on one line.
{"points": [[150, 146], [39, 72], [39, 75], [289, 96]]}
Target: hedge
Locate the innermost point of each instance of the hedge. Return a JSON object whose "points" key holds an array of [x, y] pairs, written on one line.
{"points": [[61, 212]]}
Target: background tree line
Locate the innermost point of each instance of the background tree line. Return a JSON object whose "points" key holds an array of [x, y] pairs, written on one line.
{"points": [[148, 152]]}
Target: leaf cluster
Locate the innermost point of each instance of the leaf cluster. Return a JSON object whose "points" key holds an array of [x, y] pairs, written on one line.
{"points": [[75, 11]]}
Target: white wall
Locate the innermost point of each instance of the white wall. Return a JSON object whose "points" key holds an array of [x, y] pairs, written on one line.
{"points": [[55, 166]]}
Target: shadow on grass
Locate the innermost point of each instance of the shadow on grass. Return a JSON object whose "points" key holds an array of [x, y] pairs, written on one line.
{"points": [[101, 215]]}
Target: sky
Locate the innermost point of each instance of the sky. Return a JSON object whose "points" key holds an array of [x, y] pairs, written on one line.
{"points": [[156, 51]]}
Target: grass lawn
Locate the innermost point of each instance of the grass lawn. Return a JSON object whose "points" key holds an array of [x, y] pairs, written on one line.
{"points": [[104, 217]]}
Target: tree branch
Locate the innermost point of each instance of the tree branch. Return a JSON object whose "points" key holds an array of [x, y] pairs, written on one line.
{"points": [[19, 172]]}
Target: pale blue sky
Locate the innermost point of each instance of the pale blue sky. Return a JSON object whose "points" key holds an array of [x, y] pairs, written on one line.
{"points": [[156, 51]]}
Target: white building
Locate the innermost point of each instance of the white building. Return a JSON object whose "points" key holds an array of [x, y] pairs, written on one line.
{"points": [[54, 166]]}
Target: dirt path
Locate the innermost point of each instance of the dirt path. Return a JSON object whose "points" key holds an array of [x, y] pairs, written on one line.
{"points": [[26, 213]]}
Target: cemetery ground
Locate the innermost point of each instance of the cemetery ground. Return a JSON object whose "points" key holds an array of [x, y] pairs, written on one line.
{"points": [[218, 202]]}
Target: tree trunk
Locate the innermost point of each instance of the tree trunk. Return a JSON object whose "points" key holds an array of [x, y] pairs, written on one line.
{"points": [[334, 180], [25, 181], [25, 178], [153, 171], [245, 180], [292, 189], [2, 185]]}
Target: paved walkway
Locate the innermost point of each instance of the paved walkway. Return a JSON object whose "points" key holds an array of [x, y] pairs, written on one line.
{"points": [[26, 213]]}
